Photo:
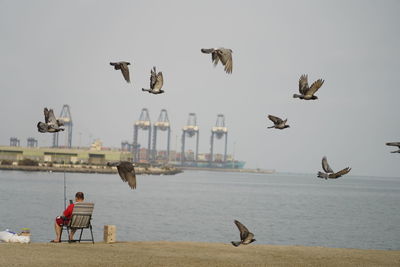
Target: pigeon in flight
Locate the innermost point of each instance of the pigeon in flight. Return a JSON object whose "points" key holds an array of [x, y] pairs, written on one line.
{"points": [[123, 66], [245, 236], [220, 54], [329, 173], [156, 82], [51, 124], [126, 171], [394, 144], [278, 123], [306, 92]]}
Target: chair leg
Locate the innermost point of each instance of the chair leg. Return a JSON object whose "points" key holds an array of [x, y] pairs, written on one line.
{"points": [[91, 233], [80, 236]]}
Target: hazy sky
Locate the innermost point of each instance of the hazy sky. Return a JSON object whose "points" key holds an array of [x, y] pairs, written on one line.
{"points": [[56, 52]]}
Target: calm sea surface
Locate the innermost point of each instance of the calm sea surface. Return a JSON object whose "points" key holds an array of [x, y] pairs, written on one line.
{"points": [[351, 212]]}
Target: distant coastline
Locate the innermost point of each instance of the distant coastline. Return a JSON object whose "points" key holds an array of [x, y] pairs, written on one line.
{"points": [[163, 170], [228, 170], [91, 169]]}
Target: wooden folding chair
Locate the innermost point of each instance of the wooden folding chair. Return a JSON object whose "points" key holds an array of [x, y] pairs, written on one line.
{"points": [[80, 219]]}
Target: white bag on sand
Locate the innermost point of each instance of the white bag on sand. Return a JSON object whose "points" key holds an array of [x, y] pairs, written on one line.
{"points": [[10, 237]]}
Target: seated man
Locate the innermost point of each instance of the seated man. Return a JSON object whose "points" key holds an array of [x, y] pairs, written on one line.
{"points": [[64, 219]]}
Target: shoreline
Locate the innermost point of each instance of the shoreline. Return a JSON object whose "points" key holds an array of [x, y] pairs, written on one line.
{"points": [[164, 253], [91, 169]]}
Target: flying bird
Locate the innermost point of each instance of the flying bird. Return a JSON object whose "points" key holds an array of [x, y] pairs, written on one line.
{"points": [[123, 66], [245, 236], [51, 124], [394, 144], [306, 92], [126, 171], [329, 173], [278, 122], [220, 54], [156, 82]]}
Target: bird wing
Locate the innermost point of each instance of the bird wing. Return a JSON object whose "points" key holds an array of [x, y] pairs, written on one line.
{"points": [[159, 81], [314, 87], [275, 119], [127, 173], [326, 166], [125, 71], [153, 78], [46, 115], [51, 118], [303, 84], [214, 58], [339, 173], [225, 55], [393, 144], [244, 232]]}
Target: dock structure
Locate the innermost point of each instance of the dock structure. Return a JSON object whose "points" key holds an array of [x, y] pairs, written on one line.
{"points": [[66, 118], [31, 142], [126, 146], [218, 131], [144, 124], [191, 129], [162, 124], [14, 141]]}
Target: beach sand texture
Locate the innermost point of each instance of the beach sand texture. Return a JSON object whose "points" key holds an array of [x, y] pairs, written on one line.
{"points": [[188, 254]]}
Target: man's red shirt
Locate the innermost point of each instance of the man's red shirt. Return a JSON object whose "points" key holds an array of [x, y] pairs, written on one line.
{"points": [[68, 211]]}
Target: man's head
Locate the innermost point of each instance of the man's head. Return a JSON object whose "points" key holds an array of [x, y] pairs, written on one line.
{"points": [[79, 197]]}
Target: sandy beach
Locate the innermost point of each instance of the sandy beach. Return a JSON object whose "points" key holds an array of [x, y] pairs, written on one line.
{"points": [[188, 254]]}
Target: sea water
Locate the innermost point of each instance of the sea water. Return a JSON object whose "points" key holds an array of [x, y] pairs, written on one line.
{"points": [[281, 209]]}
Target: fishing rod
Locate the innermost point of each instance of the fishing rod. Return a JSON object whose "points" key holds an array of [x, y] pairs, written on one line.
{"points": [[65, 192]]}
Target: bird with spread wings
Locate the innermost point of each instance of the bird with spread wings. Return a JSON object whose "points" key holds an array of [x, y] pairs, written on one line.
{"points": [[394, 144], [329, 173], [246, 237], [126, 171], [156, 82], [220, 54], [51, 124], [306, 92], [123, 66], [278, 122]]}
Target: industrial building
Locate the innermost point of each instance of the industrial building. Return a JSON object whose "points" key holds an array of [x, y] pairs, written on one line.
{"points": [[148, 153], [91, 155]]}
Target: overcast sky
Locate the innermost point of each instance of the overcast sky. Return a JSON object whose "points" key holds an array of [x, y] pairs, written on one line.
{"points": [[56, 52]]}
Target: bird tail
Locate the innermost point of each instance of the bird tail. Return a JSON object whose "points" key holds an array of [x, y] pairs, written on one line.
{"points": [[296, 96], [271, 127], [207, 51], [236, 243], [145, 90], [323, 175]]}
